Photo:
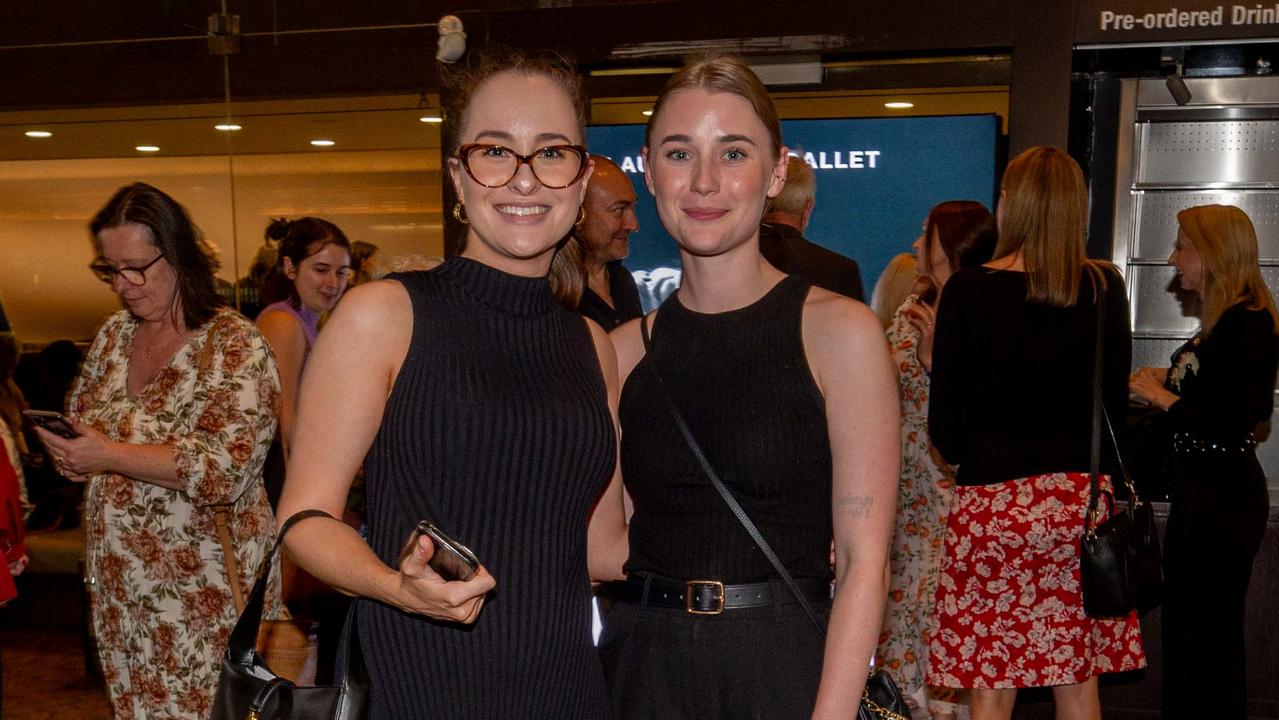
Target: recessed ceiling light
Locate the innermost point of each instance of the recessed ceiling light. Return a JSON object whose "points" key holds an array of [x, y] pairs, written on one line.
{"points": [[38, 134], [899, 105], [147, 148], [323, 143], [227, 127], [646, 113], [431, 119]]}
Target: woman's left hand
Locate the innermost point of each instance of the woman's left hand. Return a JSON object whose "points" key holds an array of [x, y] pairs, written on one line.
{"points": [[1147, 383], [923, 318], [79, 458]]}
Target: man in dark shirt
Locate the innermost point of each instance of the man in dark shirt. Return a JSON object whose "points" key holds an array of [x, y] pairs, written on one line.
{"points": [[781, 237], [611, 297]]}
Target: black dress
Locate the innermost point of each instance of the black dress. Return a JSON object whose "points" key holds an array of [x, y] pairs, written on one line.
{"points": [[742, 382], [498, 430], [1218, 511]]}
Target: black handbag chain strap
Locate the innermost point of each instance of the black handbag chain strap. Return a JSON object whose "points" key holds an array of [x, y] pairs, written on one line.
{"points": [[1099, 415], [721, 488]]}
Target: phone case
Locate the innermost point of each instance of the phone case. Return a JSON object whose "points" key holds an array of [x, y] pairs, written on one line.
{"points": [[53, 422], [452, 560]]}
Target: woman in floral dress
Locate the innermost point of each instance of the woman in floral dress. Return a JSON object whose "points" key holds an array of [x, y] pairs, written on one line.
{"points": [[176, 406], [956, 234]]}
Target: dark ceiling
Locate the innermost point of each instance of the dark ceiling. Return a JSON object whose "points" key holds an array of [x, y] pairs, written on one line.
{"points": [[155, 51]]}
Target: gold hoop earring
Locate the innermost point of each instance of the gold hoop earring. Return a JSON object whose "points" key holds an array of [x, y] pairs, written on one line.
{"points": [[581, 215], [459, 213]]}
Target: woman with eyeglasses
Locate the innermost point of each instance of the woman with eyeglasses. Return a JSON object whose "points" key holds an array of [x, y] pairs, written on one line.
{"points": [[174, 411], [476, 401]]}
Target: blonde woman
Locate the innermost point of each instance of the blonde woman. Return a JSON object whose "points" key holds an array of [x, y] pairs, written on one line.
{"points": [[898, 282], [703, 627], [1011, 406], [1219, 388]]}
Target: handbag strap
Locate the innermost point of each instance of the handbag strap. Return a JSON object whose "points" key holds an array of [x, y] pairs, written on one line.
{"points": [[221, 513], [206, 350], [1094, 470], [244, 636], [351, 673], [1099, 416], [721, 488], [1134, 499]]}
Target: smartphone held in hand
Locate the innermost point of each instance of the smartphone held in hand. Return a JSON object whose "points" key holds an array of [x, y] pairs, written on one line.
{"points": [[54, 422], [452, 560]]}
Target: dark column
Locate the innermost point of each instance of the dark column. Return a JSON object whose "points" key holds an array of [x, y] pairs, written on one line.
{"points": [[454, 231], [1039, 95]]}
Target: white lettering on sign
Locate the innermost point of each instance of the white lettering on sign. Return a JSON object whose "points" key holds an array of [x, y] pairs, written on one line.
{"points": [[1256, 15], [819, 160], [841, 159], [1239, 16], [632, 164]]}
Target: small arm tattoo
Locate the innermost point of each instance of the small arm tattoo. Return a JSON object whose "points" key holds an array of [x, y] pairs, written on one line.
{"points": [[856, 506]]}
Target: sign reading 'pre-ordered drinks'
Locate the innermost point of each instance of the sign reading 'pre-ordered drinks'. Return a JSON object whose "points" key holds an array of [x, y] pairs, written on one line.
{"points": [[1128, 21]]}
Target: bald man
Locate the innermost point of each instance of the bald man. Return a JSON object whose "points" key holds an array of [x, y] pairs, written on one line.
{"points": [[611, 297], [782, 241]]}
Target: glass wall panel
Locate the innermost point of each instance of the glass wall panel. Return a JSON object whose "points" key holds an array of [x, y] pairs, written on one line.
{"points": [[52, 187], [379, 180]]}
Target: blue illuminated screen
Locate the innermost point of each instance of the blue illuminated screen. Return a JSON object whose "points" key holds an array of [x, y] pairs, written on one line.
{"points": [[876, 180]]}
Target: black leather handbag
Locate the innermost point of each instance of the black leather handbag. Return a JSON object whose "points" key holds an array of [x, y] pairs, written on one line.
{"points": [[881, 698], [248, 690], [1120, 568]]}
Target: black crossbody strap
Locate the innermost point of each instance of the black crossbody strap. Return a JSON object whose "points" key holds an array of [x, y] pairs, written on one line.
{"points": [[1098, 408], [1119, 455], [721, 488]]}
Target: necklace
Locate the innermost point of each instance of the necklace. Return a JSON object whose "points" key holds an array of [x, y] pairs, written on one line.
{"points": [[149, 349]]}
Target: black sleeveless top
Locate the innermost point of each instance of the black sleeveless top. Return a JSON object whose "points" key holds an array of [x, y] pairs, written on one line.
{"points": [[742, 382], [498, 430]]}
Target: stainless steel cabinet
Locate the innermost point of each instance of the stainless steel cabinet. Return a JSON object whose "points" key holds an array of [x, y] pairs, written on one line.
{"points": [[1222, 147]]}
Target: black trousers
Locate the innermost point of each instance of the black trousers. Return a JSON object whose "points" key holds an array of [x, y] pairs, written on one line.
{"points": [[746, 664], [1215, 526]]}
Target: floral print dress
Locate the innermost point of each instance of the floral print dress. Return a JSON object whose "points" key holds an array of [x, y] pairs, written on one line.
{"points": [[162, 605], [923, 503]]}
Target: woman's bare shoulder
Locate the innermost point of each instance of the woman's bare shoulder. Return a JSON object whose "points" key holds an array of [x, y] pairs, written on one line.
{"points": [[832, 314], [378, 305]]}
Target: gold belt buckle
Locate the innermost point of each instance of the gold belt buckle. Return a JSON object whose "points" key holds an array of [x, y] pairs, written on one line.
{"points": [[690, 593]]}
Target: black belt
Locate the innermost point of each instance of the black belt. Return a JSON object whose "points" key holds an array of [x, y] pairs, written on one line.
{"points": [[709, 597]]}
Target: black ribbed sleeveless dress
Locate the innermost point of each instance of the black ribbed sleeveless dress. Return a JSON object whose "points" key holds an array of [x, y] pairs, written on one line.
{"points": [[742, 382], [498, 430]]}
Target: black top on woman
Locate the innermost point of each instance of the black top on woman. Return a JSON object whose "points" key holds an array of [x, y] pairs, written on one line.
{"points": [[477, 402], [790, 391]]}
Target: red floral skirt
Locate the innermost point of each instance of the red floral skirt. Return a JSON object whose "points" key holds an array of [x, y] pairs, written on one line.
{"points": [[1008, 605]]}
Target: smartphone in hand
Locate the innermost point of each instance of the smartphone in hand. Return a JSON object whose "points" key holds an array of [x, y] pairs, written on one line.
{"points": [[452, 560], [56, 423]]}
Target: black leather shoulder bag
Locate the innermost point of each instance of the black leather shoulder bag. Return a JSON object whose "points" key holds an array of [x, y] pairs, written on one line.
{"points": [[247, 689]]}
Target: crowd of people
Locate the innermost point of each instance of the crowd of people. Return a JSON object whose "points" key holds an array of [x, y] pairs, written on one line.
{"points": [[923, 474]]}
